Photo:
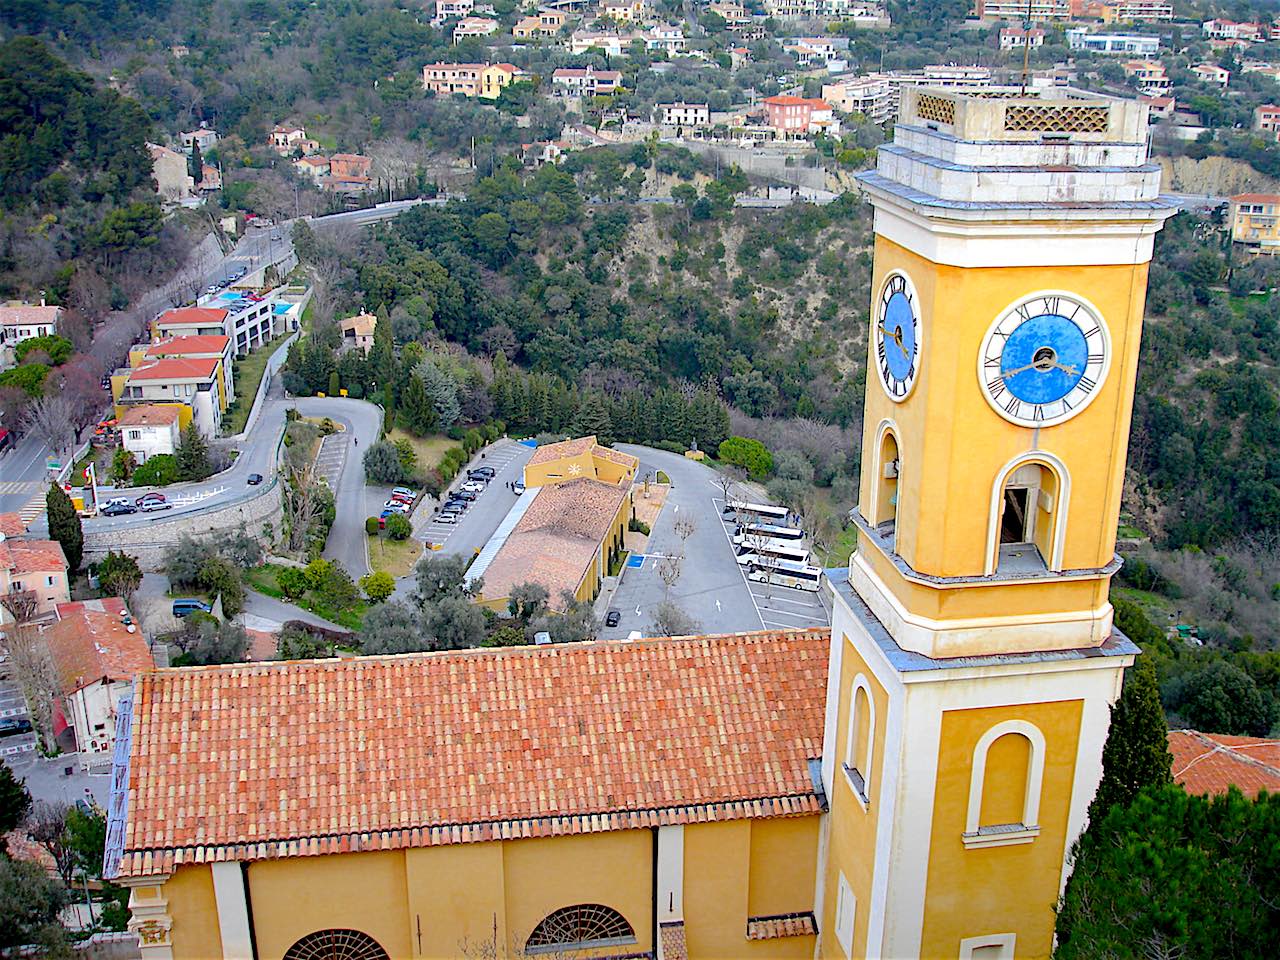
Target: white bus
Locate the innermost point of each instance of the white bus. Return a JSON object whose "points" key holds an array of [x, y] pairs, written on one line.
{"points": [[760, 532], [785, 573], [770, 550], [762, 512]]}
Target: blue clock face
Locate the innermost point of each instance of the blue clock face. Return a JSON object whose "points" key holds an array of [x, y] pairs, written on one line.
{"points": [[1044, 360], [897, 336]]}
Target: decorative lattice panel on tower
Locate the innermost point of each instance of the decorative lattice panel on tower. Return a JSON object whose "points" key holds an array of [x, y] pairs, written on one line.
{"points": [[336, 945], [1055, 118], [936, 109]]}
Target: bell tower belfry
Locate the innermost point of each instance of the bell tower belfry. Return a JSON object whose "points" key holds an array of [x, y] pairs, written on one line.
{"points": [[973, 657]]}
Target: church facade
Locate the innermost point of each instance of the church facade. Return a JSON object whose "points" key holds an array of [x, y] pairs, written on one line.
{"points": [[906, 784]]}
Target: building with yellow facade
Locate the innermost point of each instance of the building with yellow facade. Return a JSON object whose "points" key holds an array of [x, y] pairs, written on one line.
{"points": [[907, 784], [1255, 221], [191, 373], [580, 457]]}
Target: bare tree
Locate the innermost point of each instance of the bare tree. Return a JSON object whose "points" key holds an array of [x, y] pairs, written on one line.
{"points": [[22, 605], [47, 826], [51, 419], [301, 504], [728, 478], [669, 569], [685, 526], [32, 667], [669, 620]]}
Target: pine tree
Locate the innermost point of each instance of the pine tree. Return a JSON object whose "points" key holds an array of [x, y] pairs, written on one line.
{"points": [[1136, 754], [593, 419], [383, 355], [192, 455], [196, 165], [64, 526]]}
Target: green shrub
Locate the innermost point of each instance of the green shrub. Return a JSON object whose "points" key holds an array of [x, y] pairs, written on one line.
{"points": [[293, 583], [58, 349], [752, 455], [371, 526], [399, 527], [378, 586], [638, 526], [159, 471]]}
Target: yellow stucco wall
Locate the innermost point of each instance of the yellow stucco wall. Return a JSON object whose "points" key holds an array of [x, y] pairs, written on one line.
{"points": [[359, 891], [784, 862], [720, 862], [1018, 884], [947, 472], [852, 841], [443, 885], [562, 468], [185, 414], [194, 911]]}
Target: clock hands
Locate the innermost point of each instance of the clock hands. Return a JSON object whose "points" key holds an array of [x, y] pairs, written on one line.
{"points": [[1039, 366], [895, 336]]}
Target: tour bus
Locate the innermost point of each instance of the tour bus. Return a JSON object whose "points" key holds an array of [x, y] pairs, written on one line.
{"points": [[786, 573], [759, 512], [762, 532], [768, 551]]}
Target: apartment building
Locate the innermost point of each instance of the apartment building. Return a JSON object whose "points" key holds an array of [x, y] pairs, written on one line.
{"points": [[1016, 10], [869, 96], [1134, 11], [484, 80], [1126, 44], [544, 23], [1153, 81], [585, 81], [474, 27], [795, 118], [1255, 221], [682, 114], [198, 347], [668, 39], [1231, 30]]}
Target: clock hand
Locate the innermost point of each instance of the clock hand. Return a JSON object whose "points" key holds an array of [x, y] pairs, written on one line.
{"points": [[1006, 374], [1070, 370], [895, 336]]}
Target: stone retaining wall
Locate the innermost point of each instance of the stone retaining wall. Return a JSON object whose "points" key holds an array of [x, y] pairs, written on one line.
{"points": [[149, 540]]}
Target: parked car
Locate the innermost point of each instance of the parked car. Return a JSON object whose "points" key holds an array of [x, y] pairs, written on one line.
{"points": [[255, 479], [464, 494], [443, 517], [398, 506], [117, 507], [401, 498], [473, 486], [151, 502], [277, 237], [518, 487], [212, 288], [11, 726], [611, 618], [183, 608], [404, 492]]}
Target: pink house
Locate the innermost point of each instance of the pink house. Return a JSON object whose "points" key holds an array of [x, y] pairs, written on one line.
{"points": [[797, 117]]}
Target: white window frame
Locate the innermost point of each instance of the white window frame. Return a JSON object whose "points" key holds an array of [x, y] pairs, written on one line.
{"points": [[861, 790], [846, 915], [1001, 835], [1005, 941]]}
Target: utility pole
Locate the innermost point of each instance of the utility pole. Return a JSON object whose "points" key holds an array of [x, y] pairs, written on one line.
{"points": [[1026, 48]]}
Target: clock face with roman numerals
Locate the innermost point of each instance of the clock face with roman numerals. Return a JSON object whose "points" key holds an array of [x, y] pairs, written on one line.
{"points": [[1044, 359], [896, 334]]}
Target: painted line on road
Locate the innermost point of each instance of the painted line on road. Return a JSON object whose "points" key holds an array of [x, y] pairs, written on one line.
{"points": [[798, 603]]}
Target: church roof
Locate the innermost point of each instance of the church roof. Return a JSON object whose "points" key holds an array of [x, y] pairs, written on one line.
{"points": [[301, 758], [1212, 762]]}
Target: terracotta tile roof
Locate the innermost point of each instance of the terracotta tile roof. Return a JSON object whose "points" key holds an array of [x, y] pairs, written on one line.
{"points": [[557, 539], [149, 415], [192, 315], [470, 745], [564, 448], [28, 313], [90, 641], [786, 100], [1211, 762], [12, 525], [674, 946], [189, 346], [1256, 198], [361, 325], [32, 556], [616, 456], [176, 368], [783, 925]]}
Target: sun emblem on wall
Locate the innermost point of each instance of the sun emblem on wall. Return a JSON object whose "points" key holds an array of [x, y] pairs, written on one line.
{"points": [[574, 469]]}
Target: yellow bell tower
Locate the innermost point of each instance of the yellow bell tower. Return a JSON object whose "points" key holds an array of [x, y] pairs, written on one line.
{"points": [[973, 656]]}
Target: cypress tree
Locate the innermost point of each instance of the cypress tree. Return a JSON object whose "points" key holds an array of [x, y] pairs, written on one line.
{"points": [[593, 419], [1136, 754], [64, 526]]}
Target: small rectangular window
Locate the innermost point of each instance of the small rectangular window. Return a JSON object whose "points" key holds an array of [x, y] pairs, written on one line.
{"points": [[846, 912]]}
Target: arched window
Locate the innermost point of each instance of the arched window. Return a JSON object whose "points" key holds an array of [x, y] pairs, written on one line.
{"points": [[1004, 786], [884, 508], [1028, 514], [336, 945], [579, 927], [860, 738]]}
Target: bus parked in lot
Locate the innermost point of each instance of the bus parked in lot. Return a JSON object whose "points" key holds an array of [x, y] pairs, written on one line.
{"points": [[771, 550], [756, 512], [786, 573], [760, 532]]}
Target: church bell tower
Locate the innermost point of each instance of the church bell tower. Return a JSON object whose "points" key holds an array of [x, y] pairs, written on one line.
{"points": [[973, 657]]}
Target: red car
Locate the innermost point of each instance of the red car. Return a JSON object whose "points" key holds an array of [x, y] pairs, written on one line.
{"points": [[150, 502]]}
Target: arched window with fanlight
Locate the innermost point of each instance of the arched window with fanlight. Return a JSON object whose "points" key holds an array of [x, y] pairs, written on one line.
{"points": [[580, 927], [336, 945]]}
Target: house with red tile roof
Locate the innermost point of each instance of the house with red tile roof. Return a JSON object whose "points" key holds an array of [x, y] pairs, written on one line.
{"points": [[195, 385], [21, 321], [1213, 762], [197, 346], [528, 777], [579, 457], [96, 650], [35, 566], [150, 429], [190, 321]]}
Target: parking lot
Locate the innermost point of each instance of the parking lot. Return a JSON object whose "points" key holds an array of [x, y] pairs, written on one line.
{"points": [[481, 519], [711, 587], [331, 457]]}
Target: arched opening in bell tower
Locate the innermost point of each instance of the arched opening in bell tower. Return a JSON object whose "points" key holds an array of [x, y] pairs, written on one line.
{"points": [[1028, 519], [885, 507]]}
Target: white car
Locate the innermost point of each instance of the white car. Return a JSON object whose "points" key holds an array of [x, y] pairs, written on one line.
{"points": [[397, 505], [446, 518], [473, 486]]}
